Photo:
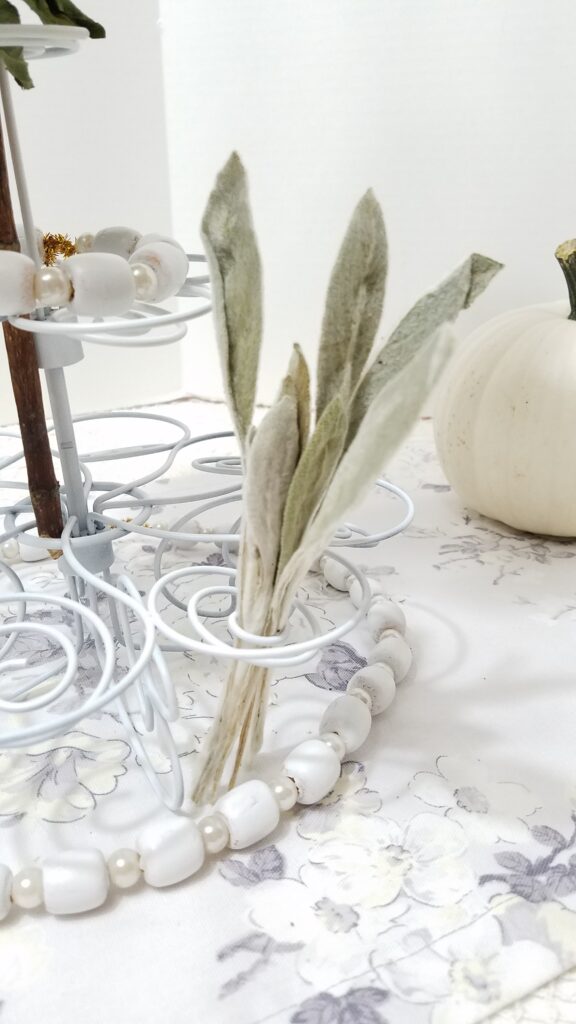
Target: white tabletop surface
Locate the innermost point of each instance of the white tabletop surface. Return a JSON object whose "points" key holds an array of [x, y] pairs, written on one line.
{"points": [[437, 885]]}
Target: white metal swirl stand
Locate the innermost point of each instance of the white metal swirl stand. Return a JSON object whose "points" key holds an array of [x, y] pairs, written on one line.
{"points": [[125, 636]]}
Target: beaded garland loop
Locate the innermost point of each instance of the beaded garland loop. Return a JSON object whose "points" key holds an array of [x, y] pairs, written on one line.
{"points": [[174, 849], [98, 275]]}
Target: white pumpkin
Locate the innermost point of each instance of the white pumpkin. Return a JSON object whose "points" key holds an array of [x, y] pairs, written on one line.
{"points": [[505, 417]]}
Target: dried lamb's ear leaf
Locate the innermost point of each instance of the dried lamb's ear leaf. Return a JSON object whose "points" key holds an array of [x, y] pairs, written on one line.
{"points": [[438, 307], [388, 420], [312, 476], [236, 280], [271, 462], [64, 12], [354, 301], [300, 374], [12, 56]]}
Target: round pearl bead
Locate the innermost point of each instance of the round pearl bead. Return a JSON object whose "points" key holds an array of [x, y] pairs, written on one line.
{"points": [[84, 243], [285, 792], [145, 282], [214, 832], [52, 287], [10, 550], [124, 868], [27, 889], [335, 742]]}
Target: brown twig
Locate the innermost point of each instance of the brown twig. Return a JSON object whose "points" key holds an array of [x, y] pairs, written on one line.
{"points": [[42, 482]]}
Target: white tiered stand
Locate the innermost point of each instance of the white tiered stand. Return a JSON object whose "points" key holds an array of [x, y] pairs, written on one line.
{"points": [[33, 695]]}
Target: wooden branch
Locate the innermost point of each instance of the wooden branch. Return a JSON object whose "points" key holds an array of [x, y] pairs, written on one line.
{"points": [[42, 482]]}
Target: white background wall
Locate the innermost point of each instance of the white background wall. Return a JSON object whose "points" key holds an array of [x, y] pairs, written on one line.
{"points": [[93, 136], [460, 113]]}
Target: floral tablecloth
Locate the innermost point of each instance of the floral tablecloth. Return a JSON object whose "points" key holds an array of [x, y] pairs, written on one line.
{"points": [[435, 885]]}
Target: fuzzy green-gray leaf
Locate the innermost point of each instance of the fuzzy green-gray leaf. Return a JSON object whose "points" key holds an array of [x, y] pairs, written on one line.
{"points": [[64, 12], [384, 426], [297, 382], [236, 280], [271, 462], [354, 301], [313, 474], [438, 307]]}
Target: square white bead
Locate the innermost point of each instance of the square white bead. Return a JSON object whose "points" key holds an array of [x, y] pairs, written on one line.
{"points": [[250, 811], [348, 717], [171, 850], [315, 768], [75, 881], [5, 887]]}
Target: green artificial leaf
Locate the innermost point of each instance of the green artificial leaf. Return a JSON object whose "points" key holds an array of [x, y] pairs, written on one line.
{"points": [[386, 423], [297, 383], [13, 60], [236, 279], [438, 307], [270, 465], [63, 12], [50, 12], [354, 301], [12, 56], [8, 13], [313, 474]]}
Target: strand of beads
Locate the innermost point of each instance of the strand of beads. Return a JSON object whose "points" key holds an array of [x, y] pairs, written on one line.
{"points": [[174, 848], [108, 272]]}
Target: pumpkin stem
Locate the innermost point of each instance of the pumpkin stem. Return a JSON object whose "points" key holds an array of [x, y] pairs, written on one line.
{"points": [[566, 256]]}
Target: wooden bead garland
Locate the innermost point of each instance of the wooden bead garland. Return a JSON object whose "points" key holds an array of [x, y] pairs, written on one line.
{"points": [[174, 849], [106, 274]]}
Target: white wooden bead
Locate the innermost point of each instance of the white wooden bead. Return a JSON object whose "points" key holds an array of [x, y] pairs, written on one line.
{"points": [[152, 236], [378, 682], [31, 552], [315, 768], [348, 717], [168, 261], [333, 740], [356, 591], [384, 614], [393, 650], [119, 240], [337, 575], [360, 694], [39, 239], [17, 273], [102, 284], [75, 881], [171, 850], [5, 890], [251, 812]]}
